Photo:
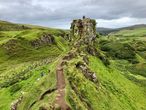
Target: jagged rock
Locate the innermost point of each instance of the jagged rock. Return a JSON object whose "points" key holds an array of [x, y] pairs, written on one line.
{"points": [[12, 46], [86, 71], [43, 40], [92, 50], [69, 56], [85, 59], [84, 28], [67, 36], [15, 103]]}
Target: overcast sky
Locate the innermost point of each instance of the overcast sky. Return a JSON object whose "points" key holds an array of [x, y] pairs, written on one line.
{"points": [[60, 13]]}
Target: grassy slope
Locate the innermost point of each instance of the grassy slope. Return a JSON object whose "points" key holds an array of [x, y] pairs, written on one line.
{"points": [[114, 92], [121, 92], [139, 33], [33, 61]]}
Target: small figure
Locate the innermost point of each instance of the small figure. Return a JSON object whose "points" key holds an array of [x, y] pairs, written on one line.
{"points": [[84, 17]]}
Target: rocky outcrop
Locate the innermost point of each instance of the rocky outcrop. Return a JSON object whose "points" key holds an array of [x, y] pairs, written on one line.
{"points": [[86, 71], [70, 55], [15, 103], [93, 51], [67, 37], [84, 28], [11, 44], [45, 39]]}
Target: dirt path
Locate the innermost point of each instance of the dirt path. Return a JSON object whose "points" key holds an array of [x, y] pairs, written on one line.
{"points": [[60, 98]]}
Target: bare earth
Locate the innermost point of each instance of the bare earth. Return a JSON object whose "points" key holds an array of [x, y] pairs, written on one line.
{"points": [[60, 101]]}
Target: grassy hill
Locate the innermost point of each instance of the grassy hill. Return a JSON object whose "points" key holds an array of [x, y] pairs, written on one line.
{"points": [[133, 31], [104, 31], [122, 31], [29, 57]]}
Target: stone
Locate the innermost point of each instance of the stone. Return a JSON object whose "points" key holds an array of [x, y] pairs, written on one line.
{"points": [[87, 72], [45, 39], [84, 28]]}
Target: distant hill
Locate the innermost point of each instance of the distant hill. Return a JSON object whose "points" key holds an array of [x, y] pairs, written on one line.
{"points": [[131, 31], [134, 26], [8, 26], [105, 31]]}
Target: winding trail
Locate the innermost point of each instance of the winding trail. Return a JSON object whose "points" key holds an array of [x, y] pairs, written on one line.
{"points": [[60, 98]]}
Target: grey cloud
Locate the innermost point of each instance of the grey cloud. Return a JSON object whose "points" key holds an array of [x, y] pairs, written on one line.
{"points": [[58, 11]]}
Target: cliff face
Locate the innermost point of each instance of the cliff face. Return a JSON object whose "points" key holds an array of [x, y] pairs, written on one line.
{"points": [[45, 39], [84, 28]]}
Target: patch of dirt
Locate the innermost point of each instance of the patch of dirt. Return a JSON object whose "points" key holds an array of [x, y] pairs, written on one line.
{"points": [[60, 103]]}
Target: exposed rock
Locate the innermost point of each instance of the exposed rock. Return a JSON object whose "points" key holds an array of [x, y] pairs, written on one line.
{"points": [[105, 60], [86, 71], [69, 56], [11, 44], [67, 36], [93, 51], [84, 28], [15, 103], [45, 39], [85, 59]]}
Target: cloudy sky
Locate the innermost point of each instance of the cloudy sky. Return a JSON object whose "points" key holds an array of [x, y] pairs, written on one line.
{"points": [[59, 13]]}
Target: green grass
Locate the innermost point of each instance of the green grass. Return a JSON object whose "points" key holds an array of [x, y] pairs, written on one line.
{"points": [[137, 32], [32, 87], [123, 94], [39, 87]]}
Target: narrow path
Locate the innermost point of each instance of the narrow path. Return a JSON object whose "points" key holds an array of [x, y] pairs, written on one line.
{"points": [[60, 98]]}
